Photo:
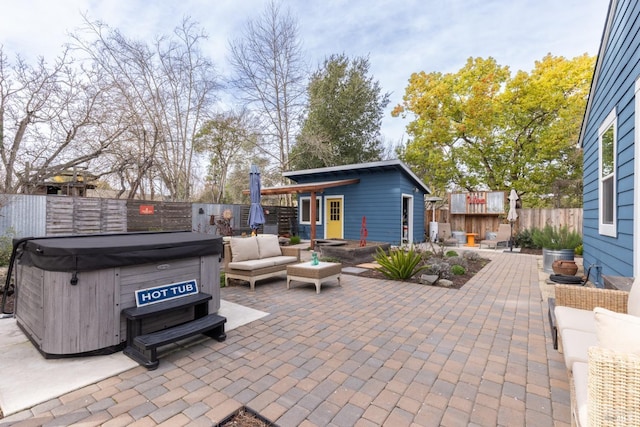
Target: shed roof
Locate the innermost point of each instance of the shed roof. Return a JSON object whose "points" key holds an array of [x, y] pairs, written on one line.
{"points": [[304, 188], [339, 171]]}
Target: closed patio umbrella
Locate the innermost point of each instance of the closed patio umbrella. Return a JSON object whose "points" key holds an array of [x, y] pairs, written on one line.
{"points": [[512, 216], [256, 215]]}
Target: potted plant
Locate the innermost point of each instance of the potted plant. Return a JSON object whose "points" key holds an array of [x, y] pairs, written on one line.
{"points": [[557, 243]]}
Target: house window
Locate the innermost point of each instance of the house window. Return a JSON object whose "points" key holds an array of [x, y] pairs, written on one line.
{"points": [[607, 134], [334, 210], [305, 210]]}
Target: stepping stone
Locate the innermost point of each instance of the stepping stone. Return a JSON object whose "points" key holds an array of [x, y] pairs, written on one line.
{"points": [[369, 265], [353, 270]]}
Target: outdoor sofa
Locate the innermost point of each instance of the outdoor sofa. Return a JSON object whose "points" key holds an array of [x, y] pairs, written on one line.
{"points": [[257, 258], [599, 336]]}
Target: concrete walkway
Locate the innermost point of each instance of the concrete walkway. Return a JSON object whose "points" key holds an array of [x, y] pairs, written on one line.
{"points": [[367, 353]]}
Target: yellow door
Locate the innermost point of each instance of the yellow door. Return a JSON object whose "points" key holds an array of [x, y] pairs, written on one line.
{"points": [[334, 218]]}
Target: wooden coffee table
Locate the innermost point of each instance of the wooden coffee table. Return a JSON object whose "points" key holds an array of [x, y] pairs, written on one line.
{"points": [[316, 274]]}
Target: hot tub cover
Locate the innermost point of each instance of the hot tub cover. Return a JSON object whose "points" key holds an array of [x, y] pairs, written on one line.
{"points": [[94, 252]]}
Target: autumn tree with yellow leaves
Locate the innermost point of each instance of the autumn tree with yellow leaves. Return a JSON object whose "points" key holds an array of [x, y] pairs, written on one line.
{"points": [[483, 128]]}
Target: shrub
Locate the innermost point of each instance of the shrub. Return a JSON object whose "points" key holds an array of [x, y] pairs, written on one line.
{"points": [[294, 240], [6, 247], [458, 270], [451, 253], [579, 249], [399, 264], [438, 267], [556, 238], [524, 239], [471, 255], [222, 279], [457, 260]]}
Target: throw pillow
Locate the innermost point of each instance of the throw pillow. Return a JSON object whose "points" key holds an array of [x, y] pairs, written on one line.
{"points": [[633, 303], [268, 245], [617, 331], [244, 249]]}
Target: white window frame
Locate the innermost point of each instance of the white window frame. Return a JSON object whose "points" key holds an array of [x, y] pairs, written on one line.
{"points": [[307, 200], [636, 182], [608, 229]]}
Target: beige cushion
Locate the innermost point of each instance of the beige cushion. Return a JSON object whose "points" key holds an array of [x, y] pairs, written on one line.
{"points": [[268, 245], [618, 331], [244, 248], [581, 382], [575, 318], [252, 265], [575, 346], [633, 303], [283, 259]]}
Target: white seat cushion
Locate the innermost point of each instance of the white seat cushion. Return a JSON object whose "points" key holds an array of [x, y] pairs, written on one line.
{"points": [[617, 331], [575, 345], [581, 383], [283, 259], [244, 248], [251, 265], [575, 318], [268, 245], [633, 303]]}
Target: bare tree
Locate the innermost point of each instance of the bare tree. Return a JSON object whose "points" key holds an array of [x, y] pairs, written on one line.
{"points": [[166, 89], [51, 120], [224, 139], [270, 75]]}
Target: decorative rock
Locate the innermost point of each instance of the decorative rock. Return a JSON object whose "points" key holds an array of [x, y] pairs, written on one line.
{"points": [[445, 283], [428, 279]]}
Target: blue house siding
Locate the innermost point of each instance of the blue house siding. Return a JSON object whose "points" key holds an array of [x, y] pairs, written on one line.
{"points": [[617, 70], [378, 197]]}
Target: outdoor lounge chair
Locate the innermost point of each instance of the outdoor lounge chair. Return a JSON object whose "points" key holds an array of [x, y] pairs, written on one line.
{"points": [[444, 235], [598, 332], [503, 236]]}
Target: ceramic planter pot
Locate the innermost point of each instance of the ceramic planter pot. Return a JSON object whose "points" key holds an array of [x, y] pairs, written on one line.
{"points": [[565, 267]]}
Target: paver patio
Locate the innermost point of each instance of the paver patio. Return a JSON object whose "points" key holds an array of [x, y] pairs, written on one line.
{"points": [[368, 353]]}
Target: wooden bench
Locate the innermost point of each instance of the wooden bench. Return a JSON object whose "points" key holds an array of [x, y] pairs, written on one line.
{"points": [[143, 347]]}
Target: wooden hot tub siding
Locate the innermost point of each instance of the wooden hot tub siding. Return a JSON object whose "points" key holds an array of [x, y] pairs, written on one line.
{"points": [[63, 319]]}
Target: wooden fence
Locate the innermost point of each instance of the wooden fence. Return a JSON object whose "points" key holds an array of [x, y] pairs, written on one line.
{"points": [[40, 215], [538, 218], [527, 219], [145, 215]]}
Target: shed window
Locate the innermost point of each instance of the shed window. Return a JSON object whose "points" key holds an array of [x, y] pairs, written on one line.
{"points": [[607, 134], [305, 210]]}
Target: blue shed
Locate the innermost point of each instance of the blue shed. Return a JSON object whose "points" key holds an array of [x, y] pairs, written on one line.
{"points": [[387, 195], [610, 127]]}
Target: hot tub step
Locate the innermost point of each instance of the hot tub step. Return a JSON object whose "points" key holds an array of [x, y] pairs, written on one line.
{"points": [[142, 347], [208, 325], [144, 350]]}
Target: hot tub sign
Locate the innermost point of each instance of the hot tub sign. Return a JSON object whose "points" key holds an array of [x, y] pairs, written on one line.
{"points": [[165, 292]]}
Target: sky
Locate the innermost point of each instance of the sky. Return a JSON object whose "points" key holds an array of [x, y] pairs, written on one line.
{"points": [[399, 37]]}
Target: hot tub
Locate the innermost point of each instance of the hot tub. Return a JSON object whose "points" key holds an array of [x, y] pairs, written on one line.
{"points": [[70, 290]]}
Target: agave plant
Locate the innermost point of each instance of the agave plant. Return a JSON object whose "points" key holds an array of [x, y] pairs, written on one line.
{"points": [[399, 264]]}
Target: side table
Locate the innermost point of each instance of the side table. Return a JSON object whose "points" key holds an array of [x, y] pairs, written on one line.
{"points": [[471, 239], [316, 274]]}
